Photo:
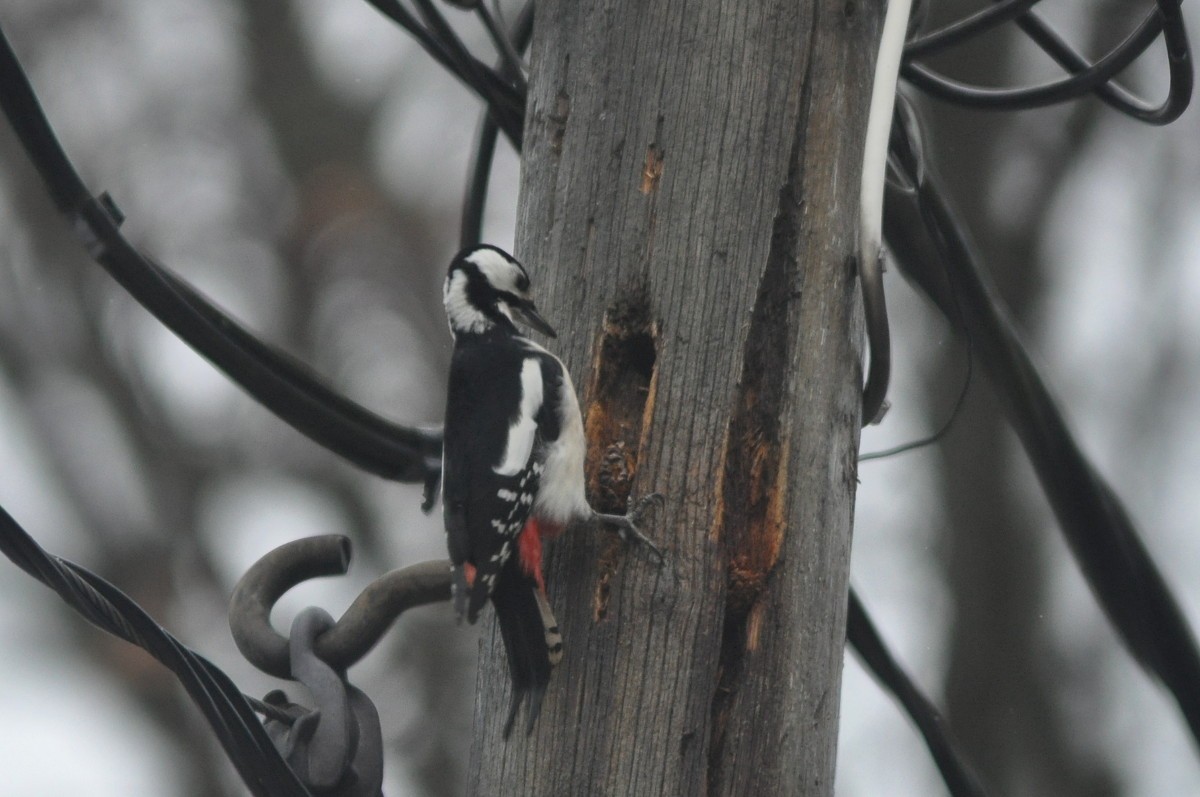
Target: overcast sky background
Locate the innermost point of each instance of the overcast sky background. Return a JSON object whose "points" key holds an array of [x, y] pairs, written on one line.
{"points": [[153, 101]]}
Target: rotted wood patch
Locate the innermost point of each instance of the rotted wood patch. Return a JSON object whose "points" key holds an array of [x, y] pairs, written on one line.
{"points": [[652, 171], [621, 404], [752, 495]]}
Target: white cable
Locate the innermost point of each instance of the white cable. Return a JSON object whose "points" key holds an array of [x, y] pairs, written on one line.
{"points": [[879, 125]]}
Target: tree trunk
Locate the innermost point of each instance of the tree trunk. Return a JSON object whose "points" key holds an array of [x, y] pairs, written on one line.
{"points": [[689, 215]]}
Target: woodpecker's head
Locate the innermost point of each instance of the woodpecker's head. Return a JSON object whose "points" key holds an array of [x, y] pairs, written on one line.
{"points": [[485, 288]]}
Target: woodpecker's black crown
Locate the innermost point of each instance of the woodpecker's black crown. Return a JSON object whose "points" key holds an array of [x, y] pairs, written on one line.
{"points": [[486, 288]]}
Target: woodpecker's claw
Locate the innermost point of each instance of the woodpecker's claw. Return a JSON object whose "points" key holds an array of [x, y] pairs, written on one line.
{"points": [[637, 508], [627, 524]]}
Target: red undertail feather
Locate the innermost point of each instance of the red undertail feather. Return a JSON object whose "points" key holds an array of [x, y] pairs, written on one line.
{"points": [[529, 552], [469, 573], [529, 548]]}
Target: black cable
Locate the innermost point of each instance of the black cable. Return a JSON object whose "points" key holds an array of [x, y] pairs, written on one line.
{"points": [[485, 148], [907, 160], [475, 199], [465, 64], [511, 66], [228, 712], [1085, 77], [967, 28], [941, 431], [1052, 93], [504, 101], [283, 385], [1103, 539], [1179, 64], [864, 638], [343, 426]]}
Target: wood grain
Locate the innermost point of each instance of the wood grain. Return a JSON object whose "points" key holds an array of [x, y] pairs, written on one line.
{"points": [[689, 216]]}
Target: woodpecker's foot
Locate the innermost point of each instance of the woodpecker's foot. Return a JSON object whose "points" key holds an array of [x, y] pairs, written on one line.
{"points": [[627, 524]]}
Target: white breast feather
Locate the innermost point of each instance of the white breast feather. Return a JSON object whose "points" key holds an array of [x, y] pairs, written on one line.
{"points": [[561, 496], [522, 431]]}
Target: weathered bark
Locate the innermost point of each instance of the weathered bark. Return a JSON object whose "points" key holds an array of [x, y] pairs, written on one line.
{"points": [[689, 213]]}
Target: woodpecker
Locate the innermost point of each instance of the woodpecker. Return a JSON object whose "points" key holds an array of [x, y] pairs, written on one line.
{"points": [[512, 469]]}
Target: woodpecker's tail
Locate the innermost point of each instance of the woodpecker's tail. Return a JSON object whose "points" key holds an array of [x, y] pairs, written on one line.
{"points": [[531, 639]]}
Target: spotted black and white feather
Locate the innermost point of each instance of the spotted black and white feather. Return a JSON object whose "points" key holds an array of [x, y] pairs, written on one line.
{"points": [[513, 457], [512, 470]]}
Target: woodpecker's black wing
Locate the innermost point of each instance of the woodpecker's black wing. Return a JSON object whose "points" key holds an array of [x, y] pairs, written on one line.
{"points": [[494, 444], [502, 410]]}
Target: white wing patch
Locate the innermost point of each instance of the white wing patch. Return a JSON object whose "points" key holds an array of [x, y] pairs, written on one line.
{"points": [[522, 431]]}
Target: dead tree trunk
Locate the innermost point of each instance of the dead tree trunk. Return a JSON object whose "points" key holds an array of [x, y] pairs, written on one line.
{"points": [[689, 213]]}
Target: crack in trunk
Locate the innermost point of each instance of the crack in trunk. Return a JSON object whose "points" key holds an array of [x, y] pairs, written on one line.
{"points": [[751, 499]]}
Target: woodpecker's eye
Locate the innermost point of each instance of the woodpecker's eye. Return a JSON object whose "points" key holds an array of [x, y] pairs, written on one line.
{"points": [[522, 283]]}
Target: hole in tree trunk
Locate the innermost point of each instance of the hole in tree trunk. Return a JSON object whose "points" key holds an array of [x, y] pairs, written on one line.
{"points": [[621, 402]]}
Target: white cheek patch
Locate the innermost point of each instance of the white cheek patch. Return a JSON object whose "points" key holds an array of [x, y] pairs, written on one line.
{"points": [[459, 311], [522, 431]]}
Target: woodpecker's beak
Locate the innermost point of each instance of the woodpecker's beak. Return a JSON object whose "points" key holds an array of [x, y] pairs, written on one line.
{"points": [[529, 315]]}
